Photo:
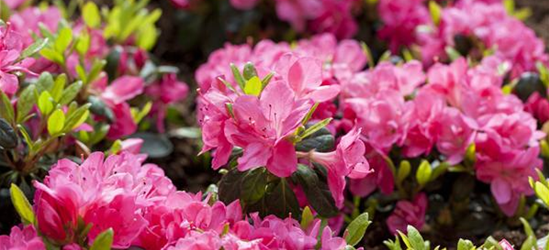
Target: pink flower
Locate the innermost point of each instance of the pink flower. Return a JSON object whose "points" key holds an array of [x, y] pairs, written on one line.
{"points": [[400, 20], [12, 4], [507, 170], [336, 19], [262, 125], [297, 12], [21, 239], [380, 118], [408, 213], [381, 177], [538, 107], [27, 22], [506, 245], [168, 90], [132, 145], [123, 89], [304, 75], [347, 160], [456, 133], [198, 241], [10, 50], [124, 124]]}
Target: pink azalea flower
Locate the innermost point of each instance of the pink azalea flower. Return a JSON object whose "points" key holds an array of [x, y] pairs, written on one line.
{"points": [[456, 133], [297, 12], [538, 107], [10, 50], [21, 239], [132, 145], [261, 127], [123, 89], [198, 241], [27, 22], [304, 75], [408, 213], [124, 124], [507, 170], [12, 4], [347, 160], [400, 20], [336, 19], [381, 177], [168, 90], [506, 245]]}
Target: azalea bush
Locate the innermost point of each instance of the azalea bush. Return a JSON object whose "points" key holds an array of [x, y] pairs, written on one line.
{"points": [[330, 124]]}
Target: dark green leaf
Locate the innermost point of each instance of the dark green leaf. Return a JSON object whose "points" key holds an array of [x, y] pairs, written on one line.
{"points": [[70, 93], [320, 141], [154, 145], [230, 186], [317, 192], [34, 48], [281, 201], [6, 108], [249, 71], [253, 185], [8, 137]]}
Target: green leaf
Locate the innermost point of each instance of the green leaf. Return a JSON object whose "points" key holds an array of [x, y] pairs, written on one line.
{"points": [[415, 239], [147, 36], [26, 101], [27, 137], [56, 122], [238, 76], [70, 93], [527, 228], [22, 205], [356, 230], [249, 71], [423, 174], [229, 186], [309, 114], [317, 192], [144, 112], [83, 43], [253, 185], [6, 108], [103, 241], [465, 245], [34, 48], [368, 54], [58, 87], [76, 118], [281, 201], [529, 244], [90, 14], [45, 103], [307, 218], [403, 170], [63, 40], [52, 55], [253, 86], [542, 192], [8, 137], [314, 128], [435, 11], [320, 141]]}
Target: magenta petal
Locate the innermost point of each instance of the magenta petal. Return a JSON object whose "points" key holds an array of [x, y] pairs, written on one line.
{"points": [[284, 161]]}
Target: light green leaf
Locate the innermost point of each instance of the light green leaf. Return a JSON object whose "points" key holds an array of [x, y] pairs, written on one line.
{"points": [[238, 76], [90, 14], [542, 192], [423, 174], [70, 93], [21, 204], [465, 245], [103, 241], [58, 87], [307, 218], [34, 48], [403, 170], [63, 40], [6, 108], [356, 230], [435, 11], [253, 86], [45, 103], [317, 126], [56, 122]]}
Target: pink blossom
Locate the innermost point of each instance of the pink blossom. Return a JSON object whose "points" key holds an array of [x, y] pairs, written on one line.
{"points": [[336, 19], [124, 124], [27, 22], [297, 12], [21, 239], [538, 107], [456, 133], [261, 127], [198, 241], [400, 20], [304, 75], [408, 213], [12, 4], [507, 170], [168, 90], [132, 145], [347, 160], [506, 245], [10, 49], [381, 177], [123, 89]]}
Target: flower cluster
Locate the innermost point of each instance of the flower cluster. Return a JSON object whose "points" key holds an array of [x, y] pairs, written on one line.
{"points": [[472, 28], [265, 118], [142, 207]]}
